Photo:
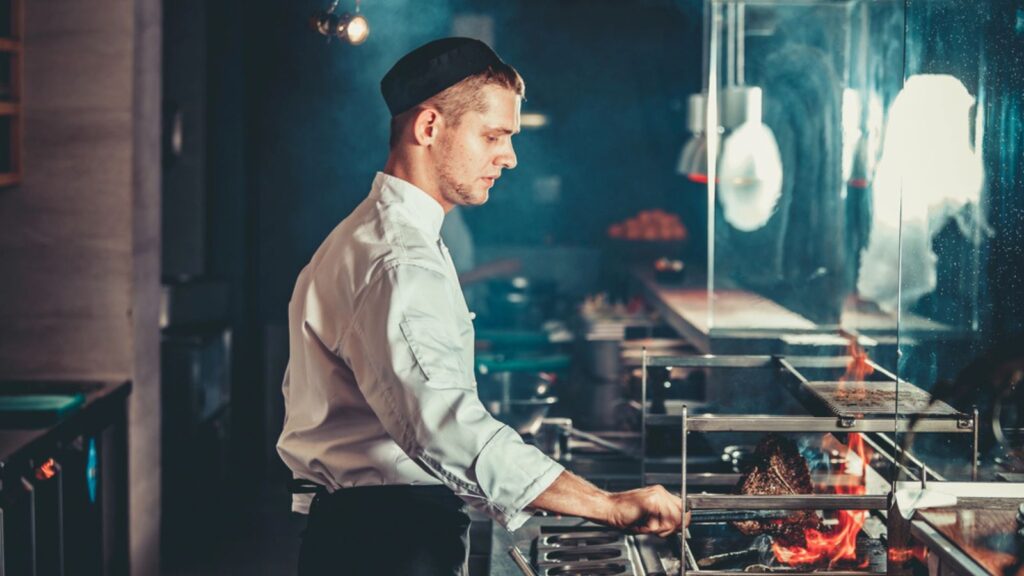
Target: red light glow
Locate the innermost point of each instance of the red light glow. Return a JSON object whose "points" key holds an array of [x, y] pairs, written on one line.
{"points": [[46, 470]]}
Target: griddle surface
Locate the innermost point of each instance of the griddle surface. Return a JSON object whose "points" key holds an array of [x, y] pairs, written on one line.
{"points": [[878, 399]]}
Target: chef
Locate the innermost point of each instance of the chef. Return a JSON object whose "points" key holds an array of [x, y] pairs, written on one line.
{"points": [[383, 431]]}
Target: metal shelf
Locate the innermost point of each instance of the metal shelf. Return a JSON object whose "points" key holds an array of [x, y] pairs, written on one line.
{"points": [[820, 399], [824, 418], [784, 423], [727, 478], [711, 361], [791, 573], [788, 502], [746, 361], [699, 479]]}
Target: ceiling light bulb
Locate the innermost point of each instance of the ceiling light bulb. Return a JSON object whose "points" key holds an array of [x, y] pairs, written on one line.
{"points": [[358, 30], [326, 23]]}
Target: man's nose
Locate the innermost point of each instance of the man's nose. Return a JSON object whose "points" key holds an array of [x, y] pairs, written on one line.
{"points": [[508, 158]]}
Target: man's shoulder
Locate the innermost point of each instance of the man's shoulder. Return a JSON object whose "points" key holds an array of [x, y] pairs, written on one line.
{"points": [[374, 238]]}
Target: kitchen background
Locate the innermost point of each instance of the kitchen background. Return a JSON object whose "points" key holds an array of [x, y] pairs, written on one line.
{"points": [[182, 160]]}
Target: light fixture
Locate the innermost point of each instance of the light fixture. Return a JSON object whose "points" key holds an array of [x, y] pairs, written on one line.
{"points": [[358, 30], [352, 28], [533, 120], [750, 168], [693, 161]]}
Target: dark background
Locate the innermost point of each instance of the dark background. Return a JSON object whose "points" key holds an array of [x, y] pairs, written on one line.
{"points": [[283, 131]]}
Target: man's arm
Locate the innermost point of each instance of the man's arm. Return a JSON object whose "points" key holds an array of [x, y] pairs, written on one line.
{"points": [[650, 510], [406, 359], [406, 353]]}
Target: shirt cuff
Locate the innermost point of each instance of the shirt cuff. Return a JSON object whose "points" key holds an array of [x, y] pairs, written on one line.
{"points": [[542, 483], [511, 474]]}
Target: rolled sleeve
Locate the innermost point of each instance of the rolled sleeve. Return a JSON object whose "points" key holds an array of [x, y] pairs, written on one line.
{"points": [[409, 363], [514, 474]]}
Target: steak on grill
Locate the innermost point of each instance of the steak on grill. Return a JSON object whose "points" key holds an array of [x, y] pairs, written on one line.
{"points": [[779, 469]]}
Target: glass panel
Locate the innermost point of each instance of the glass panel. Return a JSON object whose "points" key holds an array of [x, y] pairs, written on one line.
{"points": [[958, 121], [800, 91]]}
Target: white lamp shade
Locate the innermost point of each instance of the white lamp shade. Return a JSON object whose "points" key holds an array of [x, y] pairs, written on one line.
{"points": [[749, 176]]}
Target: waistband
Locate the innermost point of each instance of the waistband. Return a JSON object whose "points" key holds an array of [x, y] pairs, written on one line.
{"points": [[302, 486]]}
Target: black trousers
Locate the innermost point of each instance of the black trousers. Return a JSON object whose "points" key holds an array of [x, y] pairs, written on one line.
{"points": [[386, 531]]}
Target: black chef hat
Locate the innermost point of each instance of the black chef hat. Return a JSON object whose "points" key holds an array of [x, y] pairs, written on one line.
{"points": [[433, 67]]}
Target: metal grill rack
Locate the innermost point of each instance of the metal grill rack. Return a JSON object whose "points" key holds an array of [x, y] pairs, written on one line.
{"points": [[828, 412]]}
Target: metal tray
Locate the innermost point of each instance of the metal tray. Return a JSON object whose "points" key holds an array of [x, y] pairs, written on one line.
{"points": [[872, 399]]}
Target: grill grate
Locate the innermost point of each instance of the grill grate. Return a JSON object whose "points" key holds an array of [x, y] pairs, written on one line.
{"points": [[875, 399]]}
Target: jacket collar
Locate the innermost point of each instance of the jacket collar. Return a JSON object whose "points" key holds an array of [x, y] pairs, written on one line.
{"points": [[428, 215]]}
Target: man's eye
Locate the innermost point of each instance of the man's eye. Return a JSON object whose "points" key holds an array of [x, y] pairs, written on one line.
{"points": [[492, 138]]}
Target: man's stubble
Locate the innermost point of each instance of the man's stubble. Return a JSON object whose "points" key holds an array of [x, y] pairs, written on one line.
{"points": [[453, 191]]}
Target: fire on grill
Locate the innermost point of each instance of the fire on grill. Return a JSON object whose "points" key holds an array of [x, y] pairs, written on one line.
{"points": [[800, 538]]}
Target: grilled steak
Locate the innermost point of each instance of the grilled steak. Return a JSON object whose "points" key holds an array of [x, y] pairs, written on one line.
{"points": [[779, 469]]}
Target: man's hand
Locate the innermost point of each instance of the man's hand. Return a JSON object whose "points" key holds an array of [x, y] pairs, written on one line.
{"points": [[650, 510]]}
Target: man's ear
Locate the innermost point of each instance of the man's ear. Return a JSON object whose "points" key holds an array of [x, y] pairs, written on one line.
{"points": [[426, 126]]}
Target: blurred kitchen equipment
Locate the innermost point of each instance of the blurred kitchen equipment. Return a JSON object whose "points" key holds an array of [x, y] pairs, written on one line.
{"points": [[737, 457], [524, 416], [669, 271], [22, 410], [551, 438], [520, 302], [548, 340], [521, 561], [519, 391]]}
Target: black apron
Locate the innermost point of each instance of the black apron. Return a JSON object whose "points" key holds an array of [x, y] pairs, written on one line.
{"points": [[386, 531]]}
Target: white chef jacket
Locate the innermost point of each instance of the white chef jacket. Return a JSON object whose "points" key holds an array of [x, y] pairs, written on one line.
{"points": [[380, 385]]}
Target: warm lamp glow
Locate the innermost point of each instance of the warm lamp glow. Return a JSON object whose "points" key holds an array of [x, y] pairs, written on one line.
{"points": [[358, 30]]}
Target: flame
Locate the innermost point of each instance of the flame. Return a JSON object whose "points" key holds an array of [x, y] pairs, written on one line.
{"points": [[840, 543], [902, 555], [856, 371]]}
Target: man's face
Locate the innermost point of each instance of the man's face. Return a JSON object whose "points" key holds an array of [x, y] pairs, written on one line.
{"points": [[471, 155]]}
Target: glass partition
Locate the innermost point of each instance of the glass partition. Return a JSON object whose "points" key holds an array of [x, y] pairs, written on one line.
{"points": [[801, 92], [864, 163], [954, 145], [865, 200]]}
